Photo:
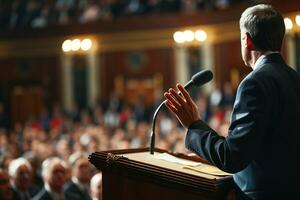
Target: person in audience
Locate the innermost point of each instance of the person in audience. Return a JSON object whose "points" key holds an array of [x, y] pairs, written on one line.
{"points": [[63, 148], [35, 161], [96, 186], [5, 188], [81, 176], [20, 172], [54, 173]]}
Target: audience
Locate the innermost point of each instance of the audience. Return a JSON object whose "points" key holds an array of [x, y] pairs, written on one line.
{"points": [[37, 14], [36, 152]]}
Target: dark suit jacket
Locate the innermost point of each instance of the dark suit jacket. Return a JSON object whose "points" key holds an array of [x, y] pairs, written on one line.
{"points": [[73, 189], [44, 195], [18, 196], [263, 144]]}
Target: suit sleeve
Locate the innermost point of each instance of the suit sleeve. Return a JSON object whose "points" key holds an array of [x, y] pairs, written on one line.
{"points": [[245, 136]]}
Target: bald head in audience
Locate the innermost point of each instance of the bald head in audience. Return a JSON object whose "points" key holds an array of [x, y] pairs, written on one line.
{"points": [[20, 172], [96, 186]]}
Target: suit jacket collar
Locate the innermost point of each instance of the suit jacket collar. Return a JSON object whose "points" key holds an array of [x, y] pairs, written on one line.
{"points": [[271, 58], [44, 194]]}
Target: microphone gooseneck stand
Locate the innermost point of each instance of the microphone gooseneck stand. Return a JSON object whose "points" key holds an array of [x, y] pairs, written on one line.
{"points": [[152, 136]]}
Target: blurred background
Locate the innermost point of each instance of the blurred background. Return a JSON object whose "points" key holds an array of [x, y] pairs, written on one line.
{"points": [[87, 75]]}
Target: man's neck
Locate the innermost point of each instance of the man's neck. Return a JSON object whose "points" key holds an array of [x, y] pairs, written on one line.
{"points": [[256, 57]]}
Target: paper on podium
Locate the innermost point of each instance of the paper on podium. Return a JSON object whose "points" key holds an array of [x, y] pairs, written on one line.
{"points": [[206, 169], [192, 165], [170, 158]]}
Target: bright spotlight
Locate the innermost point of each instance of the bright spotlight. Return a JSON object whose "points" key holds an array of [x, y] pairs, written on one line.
{"points": [[67, 45], [288, 23], [86, 44], [189, 35], [178, 37], [297, 19], [200, 35], [75, 45]]}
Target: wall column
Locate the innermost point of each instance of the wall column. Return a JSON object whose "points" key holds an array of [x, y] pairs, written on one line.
{"points": [[207, 62], [181, 65], [67, 82], [291, 50], [93, 78]]}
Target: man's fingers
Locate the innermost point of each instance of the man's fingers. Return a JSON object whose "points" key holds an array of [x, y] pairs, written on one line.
{"points": [[179, 98], [172, 99], [185, 93], [171, 107]]}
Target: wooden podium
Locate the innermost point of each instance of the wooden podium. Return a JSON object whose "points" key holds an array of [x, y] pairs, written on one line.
{"points": [[135, 174]]}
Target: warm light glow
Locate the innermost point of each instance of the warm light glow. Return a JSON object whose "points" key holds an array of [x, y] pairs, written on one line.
{"points": [[86, 44], [288, 23], [178, 37], [189, 35], [67, 45], [200, 35], [75, 45], [297, 19]]}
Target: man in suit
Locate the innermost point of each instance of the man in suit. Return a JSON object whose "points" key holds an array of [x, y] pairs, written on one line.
{"points": [[54, 173], [20, 173], [262, 145], [79, 184]]}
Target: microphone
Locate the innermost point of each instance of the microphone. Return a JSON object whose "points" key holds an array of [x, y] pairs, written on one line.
{"points": [[198, 79]]}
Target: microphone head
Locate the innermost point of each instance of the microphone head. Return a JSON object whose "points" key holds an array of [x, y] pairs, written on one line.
{"points": [[202, 77]]}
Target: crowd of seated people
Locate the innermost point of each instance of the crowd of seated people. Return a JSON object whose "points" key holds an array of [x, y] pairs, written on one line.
{"points": [[59, 180], [48, 155], [41, 13]]}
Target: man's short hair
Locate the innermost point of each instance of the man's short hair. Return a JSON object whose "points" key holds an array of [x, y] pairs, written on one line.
{"points": [[48, 164], [76, 156], [15, 164], [265, 26]]}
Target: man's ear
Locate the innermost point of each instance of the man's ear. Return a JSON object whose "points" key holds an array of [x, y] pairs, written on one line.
{"points": [[249, 42]]}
